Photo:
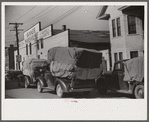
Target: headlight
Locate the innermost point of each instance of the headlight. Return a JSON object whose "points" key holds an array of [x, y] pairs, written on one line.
{"points": [[40, 70]]}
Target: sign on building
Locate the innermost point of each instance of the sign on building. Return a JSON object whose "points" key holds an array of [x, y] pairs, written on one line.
{"points": [[45, 33], [32, 34]]}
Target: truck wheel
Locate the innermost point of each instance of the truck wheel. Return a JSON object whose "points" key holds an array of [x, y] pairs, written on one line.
{"points": [[26, 80], [139, 91], [18, 79], [39, 87], [59, 91], [101, 89]]}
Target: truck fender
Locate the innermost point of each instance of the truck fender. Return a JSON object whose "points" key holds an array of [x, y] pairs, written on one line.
{"points": [[42, 81], [62, 83], [20, 77]]}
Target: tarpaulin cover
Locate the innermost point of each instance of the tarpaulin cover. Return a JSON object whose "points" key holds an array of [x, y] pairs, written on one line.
{"points": [[79, 62], [30, 64], [134, 69]]}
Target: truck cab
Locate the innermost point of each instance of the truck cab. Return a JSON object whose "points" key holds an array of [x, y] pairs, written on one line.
{"points": [[116, 80]]}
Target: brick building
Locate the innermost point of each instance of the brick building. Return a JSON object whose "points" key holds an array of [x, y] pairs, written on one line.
{"points": [[9, 57]]}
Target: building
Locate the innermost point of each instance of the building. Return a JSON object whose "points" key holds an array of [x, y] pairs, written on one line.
{"points": [[126, 26], [37, 42], [9, 57]]}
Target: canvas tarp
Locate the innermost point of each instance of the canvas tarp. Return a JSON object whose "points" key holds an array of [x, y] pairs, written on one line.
{"points": [[30, 64], [79, 62], [134, 69]]}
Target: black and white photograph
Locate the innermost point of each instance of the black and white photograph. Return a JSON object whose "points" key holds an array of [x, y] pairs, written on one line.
{"points": [[74, 61]]}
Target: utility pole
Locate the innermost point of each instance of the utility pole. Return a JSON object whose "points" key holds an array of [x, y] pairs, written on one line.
{"points": [[16, 29]]}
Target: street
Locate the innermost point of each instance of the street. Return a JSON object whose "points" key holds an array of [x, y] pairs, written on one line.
{"points": [[13, 91]]}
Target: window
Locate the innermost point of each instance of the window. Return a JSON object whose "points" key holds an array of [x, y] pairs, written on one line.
{"points": [[113, 28], [30, 45], [41, 43], [38, 56], [117, 66], [118, 27], [115, 57], [26, 49], [37, 44], [131, 25], [133, 54], [120, 56]]}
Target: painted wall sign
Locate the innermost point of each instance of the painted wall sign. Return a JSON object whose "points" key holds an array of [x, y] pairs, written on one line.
{"points": [[31, 34], [45, 33], [21, 44]]}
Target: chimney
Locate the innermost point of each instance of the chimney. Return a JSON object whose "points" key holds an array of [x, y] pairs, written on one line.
{"points": [[63, 27]]}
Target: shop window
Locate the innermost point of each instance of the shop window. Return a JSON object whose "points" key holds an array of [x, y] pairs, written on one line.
{"points": [[37, 44], [118, 27], [115, 57], [26, 49], [30, 45], [131, 24], [133, 54], [120, 56], [113, 28], [41, 43]]}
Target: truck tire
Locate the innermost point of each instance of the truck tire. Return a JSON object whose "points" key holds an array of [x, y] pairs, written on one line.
{"points": [[59, 91], [26, 81], [18, 79], [39, 87], [139, 91]]}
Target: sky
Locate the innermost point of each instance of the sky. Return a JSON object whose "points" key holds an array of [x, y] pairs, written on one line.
{"points": [[75, 17]]}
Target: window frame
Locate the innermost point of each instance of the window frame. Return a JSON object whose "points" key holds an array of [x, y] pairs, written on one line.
{"points": [[113, 28], [118, 26], [26, 49], [131, 25], [30, 46], [121, 55], [41, 43]]}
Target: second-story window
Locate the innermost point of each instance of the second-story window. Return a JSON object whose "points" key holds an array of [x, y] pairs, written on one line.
{"points": [[41, 43], [26, 49], [113, 28], [30, 47], [131, 25], [118, 27]]}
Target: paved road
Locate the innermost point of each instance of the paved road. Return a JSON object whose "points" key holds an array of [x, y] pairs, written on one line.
{"points": [[13, 91]]}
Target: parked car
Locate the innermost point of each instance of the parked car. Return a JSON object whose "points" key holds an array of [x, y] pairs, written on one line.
{"points": [[127, 77], [69, 70], [32, 69], [12, 74]]}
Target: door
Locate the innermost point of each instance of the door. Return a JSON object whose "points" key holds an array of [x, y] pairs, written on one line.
{"points": [[116, 76], [119, 74]]}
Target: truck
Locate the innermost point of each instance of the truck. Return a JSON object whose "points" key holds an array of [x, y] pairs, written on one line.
{"points": [[127, 77], [67, 70]]}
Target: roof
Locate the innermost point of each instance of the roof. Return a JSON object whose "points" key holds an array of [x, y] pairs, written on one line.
{"points": [[101, 14], [88, 36], [131, 10]]}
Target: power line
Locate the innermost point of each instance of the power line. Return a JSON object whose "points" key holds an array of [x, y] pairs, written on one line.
{"points": [[66, 13], [37, 14], [41, 15], [25, 14]]}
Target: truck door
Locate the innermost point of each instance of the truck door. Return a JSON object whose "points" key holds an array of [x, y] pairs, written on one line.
{"points": [[119, 74], [116, 76]]}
